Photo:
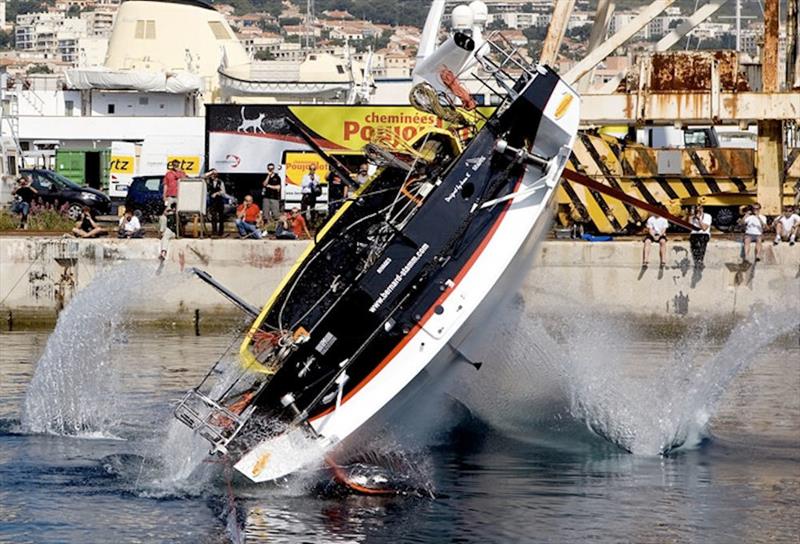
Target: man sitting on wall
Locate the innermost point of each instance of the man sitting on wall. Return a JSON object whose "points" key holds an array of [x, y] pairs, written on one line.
{"points": [[248, 216], [656, 233], [129, 226], [299, 225], [86, 227], [786, 226]]}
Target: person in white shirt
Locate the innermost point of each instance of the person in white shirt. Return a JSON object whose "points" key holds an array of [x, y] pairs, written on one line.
{"points": [[656, 232], [754, 225], [310, 189], [700, 235], [129, 226], [786, 226]]}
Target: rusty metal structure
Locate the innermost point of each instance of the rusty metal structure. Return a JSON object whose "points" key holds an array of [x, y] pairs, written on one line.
{"points": [[678, 89]]}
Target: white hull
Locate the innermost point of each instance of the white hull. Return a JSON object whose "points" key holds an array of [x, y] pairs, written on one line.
{"points": [[493, 272]]}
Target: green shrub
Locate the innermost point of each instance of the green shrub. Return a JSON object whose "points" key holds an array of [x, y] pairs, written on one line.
{"points": [[40, 219]]}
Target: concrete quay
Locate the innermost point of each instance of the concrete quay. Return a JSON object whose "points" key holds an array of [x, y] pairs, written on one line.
{"points": [[38, 276]]}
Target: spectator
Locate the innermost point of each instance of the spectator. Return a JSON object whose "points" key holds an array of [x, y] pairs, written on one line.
{"points": [[310, 189], [363, 174], [299, 225], [656, 232], [216, 194], [167, 226], [700, 235], [171, 178], [86, 227], [129, 226], [754, 225], [337, 192], [271, 194], [282, 230], [24, 194], [786, 226], [248, 215]]}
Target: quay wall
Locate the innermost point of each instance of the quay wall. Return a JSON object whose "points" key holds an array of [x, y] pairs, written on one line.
{"points": [[39, 275]]}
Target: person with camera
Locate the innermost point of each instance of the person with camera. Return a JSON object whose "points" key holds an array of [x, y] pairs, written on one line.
{"points": [[216, 195], [310, 189], [700, 235], [271, 195], [86, 227], [24, 193]]}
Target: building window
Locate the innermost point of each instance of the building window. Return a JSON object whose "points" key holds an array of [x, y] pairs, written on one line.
{"points": [[219, 30], [143, 100], [145, 30], [111, 108], [340, 68], [69, 105]]}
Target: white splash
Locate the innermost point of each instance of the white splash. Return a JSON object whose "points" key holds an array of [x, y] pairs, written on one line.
{"points": [[651, 415], [75, 387]]}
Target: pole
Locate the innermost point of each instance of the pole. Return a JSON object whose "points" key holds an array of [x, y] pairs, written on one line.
{"points": [[769, 144]]}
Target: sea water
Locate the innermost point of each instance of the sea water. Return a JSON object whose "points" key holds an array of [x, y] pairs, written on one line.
{"points": [[531, 448]]}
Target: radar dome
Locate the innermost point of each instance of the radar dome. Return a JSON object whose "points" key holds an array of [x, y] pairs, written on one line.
{"points": [[480, 12], [462, 17]]}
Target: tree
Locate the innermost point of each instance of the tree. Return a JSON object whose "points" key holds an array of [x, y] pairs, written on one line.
{"points": [[264, 54], [39, 69], [291, 21], [496, 24], [74, 11], [6, 39]]}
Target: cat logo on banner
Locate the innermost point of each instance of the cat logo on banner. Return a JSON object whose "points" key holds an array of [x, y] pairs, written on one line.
{"points": [[188, 163]]}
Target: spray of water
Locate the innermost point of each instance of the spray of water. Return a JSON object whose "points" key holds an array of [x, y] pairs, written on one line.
{"points": [[537, 375], [74, 390], [670, 408]]}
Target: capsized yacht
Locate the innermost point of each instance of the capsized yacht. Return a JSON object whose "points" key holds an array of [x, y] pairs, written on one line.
{"points": [[413, 263]]}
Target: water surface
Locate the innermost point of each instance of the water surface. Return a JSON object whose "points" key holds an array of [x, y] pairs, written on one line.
{"points": [[518, 465]]}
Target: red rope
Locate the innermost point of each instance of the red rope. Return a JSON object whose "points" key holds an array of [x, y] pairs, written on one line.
{"points": [[455, 86]]}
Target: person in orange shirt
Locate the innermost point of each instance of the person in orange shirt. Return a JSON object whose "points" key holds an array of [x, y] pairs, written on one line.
{"points": [[248, 216], [299, 226]]}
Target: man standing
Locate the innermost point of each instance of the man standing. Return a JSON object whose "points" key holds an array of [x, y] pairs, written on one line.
{"points": [[786, 226], [271, 194], [171, 178], [700, 235], [310, 189], [24, 194], [216, 195], [248, 215], [754, 225], [656, 232]]}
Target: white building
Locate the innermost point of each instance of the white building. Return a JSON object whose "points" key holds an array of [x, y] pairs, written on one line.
{"points": [[99, 21], [3, 24], [52, 36]]}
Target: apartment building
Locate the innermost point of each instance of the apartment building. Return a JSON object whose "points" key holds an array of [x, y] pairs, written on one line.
{"points": [[50, 35]]}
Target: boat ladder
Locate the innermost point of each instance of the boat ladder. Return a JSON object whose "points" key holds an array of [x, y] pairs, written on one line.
{"points": [[216, 423]]}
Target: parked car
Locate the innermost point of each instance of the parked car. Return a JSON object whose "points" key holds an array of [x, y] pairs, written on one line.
{"points": [[145, 194], [56, 190]]}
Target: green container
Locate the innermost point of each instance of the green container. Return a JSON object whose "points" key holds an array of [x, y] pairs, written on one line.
{"points": [[84, 166]]}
